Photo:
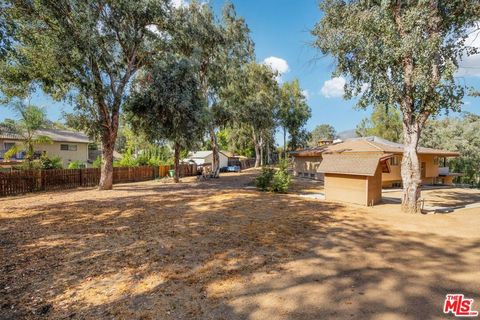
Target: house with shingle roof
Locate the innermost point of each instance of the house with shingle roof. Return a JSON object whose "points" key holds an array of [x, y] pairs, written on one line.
{"points": [[68, 145], [307, 163], [354, 178]]}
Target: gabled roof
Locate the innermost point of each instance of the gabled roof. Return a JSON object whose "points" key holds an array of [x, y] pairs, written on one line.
{"points": [[353, 164], [393, 147], [203, 154], [369, 145], [54, 134]]}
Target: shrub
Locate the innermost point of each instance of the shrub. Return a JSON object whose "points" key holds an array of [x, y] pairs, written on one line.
{"points": [[54, 162], [281, 179], [76, 165], [98, 162], [274, 180], [264, 180]]}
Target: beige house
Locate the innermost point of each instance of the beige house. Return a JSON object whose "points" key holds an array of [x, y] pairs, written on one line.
{"points": [[432, 161], [68, 145], [354, 178]]}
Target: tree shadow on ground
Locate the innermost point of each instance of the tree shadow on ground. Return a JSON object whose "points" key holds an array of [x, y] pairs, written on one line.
{"points": [[216, 251]]}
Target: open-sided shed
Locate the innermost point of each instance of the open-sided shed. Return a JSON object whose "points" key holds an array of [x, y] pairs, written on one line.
{"points": [[354, 178]]}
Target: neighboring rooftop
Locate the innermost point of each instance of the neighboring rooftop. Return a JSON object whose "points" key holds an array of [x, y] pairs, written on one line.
{"points": [[206, 153], [353, 164], [54, 134], [368, 144]]}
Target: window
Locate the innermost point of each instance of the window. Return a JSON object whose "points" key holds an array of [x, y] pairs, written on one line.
{"points": [[394, 161], [435, 161], [68, 147], [8, 145]]}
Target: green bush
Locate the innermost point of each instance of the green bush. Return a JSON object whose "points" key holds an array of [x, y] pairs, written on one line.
{"points": [[274, 180], [98, 162], [264, 180], [54, 162], [76, 165], [281, 179]]}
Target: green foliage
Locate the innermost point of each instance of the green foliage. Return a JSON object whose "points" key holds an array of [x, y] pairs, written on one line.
{"points": [[9, 125], [47, 162], [127, 160], [396, 53], [32, 118], [274, 180], [461, 135], [264, 180], [255, 95], [168, 105], [97, 163], [76, 165], [321, 132], [384, 123], [293, 114], [44, 163], [154, 156], [87, 51], [282, 179]]}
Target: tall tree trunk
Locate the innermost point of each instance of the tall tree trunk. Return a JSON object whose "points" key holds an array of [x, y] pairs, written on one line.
{"points": [[106, 171], [269, 154], [410, 168], [262, 163], [177, 163], [257, 149], [257, 155], [215, 153], [284, 143]]}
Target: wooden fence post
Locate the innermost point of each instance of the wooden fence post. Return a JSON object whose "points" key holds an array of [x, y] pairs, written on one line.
{"points": [[43, 180], [81, 177]]}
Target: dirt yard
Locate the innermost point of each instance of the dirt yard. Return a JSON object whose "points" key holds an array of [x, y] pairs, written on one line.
{"points": [[444, 197], [221, 250]]}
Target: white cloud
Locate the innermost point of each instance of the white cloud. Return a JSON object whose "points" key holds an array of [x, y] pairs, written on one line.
{"points": [[470, 65], [333, 88], [179, 3], [277, 64], [306, 94]]}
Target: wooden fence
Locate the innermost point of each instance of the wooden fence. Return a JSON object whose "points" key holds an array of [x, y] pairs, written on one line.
{"points": [[19, 182]]}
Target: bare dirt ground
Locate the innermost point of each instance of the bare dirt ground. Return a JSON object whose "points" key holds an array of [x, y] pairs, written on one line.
{"points": [[445, 197], [218, 250]]}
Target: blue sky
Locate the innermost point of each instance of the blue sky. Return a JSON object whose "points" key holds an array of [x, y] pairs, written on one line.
{"points": [[280, 29]]}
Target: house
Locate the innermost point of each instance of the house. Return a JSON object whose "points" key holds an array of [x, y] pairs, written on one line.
{"points": [[68, 145], [432, 161], [354, 178], [206, 157]]}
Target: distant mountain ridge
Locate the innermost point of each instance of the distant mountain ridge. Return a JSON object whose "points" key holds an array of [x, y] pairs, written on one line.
{"points": [[347, 134]]}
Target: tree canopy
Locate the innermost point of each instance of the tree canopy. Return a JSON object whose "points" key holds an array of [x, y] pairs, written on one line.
{"points": [[293, 114], [167, 104], [402, 54], [32, 118], [255, 95], [384, 122], [460, 134], [321, 132], [88, 50]]}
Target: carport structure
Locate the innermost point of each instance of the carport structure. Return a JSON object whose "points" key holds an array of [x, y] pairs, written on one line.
{"points": [[354, 178]]}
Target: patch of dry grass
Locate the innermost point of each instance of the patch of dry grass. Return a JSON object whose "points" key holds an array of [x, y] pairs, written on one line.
{"points": [[217, 250]]}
